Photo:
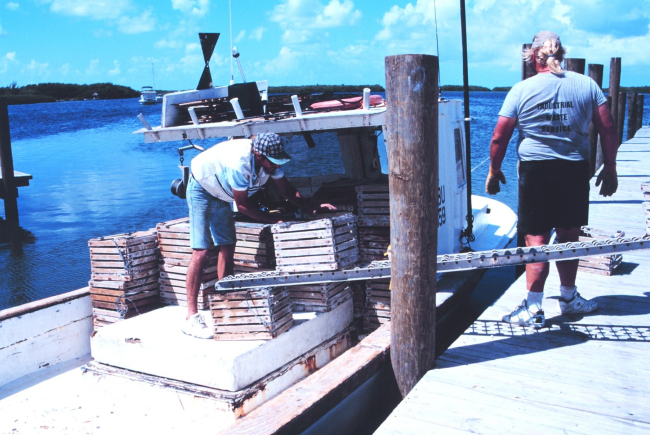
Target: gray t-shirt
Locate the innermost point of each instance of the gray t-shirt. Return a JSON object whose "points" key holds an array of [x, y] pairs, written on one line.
{"points": [[553, 112]]}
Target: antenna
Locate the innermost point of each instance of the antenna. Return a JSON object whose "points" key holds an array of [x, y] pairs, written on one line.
{"points": [[208, 42], [232, 71], [235, 54]]}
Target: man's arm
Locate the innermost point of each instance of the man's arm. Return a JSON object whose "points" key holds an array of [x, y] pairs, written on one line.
{"points": [[241, 199], [498, 146], [294, 197], [604, 124]]}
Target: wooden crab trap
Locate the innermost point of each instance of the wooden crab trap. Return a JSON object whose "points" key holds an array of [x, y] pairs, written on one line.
{"points": [[175, 255], [124, 276], [319, 297], [259, 314], [377, 309], [373, 205], [254, 251], [323, 244], [604, 264]]}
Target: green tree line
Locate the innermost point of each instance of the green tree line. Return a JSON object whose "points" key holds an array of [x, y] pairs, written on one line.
{"points": [[50, 92]]}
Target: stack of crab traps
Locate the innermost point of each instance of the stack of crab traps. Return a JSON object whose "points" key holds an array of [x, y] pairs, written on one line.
{"points": [[374, 221], [254, 250], [124, 276], [175, 255]]}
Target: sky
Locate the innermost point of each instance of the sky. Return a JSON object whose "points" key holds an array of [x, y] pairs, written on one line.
{"points": [[303, 42]]}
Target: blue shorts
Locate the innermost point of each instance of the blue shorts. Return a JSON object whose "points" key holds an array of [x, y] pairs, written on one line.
{"points": [[211, 219]]}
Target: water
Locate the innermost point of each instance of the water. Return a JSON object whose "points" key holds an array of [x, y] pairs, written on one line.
{"points": [[93, 177]]}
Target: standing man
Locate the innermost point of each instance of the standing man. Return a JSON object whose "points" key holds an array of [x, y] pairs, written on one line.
{"points": [[229, 172], [552, 111]]}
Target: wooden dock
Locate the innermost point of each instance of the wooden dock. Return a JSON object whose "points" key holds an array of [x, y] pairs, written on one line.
{"points": [[581, 374]]}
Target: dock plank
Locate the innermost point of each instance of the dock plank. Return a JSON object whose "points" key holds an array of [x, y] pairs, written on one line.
{"points": [[581, 374]]}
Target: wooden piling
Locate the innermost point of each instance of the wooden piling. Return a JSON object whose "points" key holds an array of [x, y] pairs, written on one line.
{"points": [[614, 85], [412, 138], [595, 71], [639, 111], [622, 97], [575, 65], [527, 69], [631, 114], [8, 191]]}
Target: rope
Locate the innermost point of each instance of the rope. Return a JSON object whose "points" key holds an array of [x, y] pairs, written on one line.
{"points": [[266, 325], [479, 165]]}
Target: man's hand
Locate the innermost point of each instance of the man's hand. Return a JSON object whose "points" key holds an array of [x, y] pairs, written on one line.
{"points": [[492, 183], [325, 206], [609, 179]]}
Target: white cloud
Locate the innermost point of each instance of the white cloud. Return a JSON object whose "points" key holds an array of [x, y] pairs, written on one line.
{"points": [[299, 18], [287, 60], [12, 6], [95, 9], [2, 32], [65, 69], [36, 71], [560, 12], [93, 68], [115, 71], [11, 56], [5, 61], [240, 36], [257, 34], [140, 24], [168, 43], [196, 8]]}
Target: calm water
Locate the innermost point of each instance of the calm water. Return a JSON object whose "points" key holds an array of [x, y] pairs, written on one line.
{"points": [[93, 177]]}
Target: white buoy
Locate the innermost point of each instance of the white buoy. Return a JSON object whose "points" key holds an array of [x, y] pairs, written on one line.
{"points": [[366, 98]]}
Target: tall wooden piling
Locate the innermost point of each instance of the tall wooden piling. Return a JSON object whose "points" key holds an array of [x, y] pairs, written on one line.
{"points": [[639, 111], [622, 97], [595, 71], [631, 114], [575, 65], [8, 190], [412, 138], [527, 69], [614, 85]]}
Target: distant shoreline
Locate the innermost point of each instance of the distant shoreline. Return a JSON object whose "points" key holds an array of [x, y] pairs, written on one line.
{"points": [[53, 92]]}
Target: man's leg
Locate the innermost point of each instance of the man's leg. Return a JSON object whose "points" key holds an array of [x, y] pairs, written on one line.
{"points": [[570, 301], [225, 263], [194, 278], [567, 269], [537, 273]]}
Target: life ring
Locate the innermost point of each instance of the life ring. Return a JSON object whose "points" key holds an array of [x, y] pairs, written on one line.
{"points": [[347, 103]]}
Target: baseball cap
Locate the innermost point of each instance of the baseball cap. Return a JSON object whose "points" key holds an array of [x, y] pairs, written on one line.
{"points": [[270, 145], [542, 37]]}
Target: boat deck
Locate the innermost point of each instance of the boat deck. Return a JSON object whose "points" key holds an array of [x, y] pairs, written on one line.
{"points": [[580, 374]]}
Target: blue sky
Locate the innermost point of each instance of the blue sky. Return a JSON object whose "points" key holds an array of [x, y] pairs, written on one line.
{"points": [[298, 42]]}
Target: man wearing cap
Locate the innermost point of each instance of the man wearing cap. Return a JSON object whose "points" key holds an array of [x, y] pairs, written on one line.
{"points": [[229, 172], [552, 111]]}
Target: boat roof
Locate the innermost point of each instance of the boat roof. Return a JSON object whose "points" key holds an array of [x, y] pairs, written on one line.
{"points": [[280, 124]]}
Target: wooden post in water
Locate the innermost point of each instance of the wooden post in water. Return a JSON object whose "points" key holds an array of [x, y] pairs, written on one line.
{"points": [[631, 114], [575, 65], [614, 84], [8, 190], [595, 71], [412, 139], [622, 97], [527, 69], [639, 111]]}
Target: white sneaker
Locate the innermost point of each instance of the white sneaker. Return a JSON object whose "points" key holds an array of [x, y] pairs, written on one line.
{"points": [[523, 317], [576, 305], [196, 327]]}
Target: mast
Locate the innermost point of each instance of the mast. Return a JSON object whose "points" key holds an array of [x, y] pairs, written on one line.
{"points": [[466, 235]]}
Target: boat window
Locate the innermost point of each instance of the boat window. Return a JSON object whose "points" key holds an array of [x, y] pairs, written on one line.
{"points": [[460, 161]]}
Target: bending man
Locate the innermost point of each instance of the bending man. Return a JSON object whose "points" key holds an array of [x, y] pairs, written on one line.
{"points": [[229, 172], [552, 111]]}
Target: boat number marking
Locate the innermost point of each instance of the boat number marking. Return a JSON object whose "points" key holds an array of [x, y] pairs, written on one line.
{"points": [[442, 215]]}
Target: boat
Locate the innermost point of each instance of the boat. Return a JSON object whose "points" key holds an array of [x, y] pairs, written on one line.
{"points": [[149, 96], [52, 346], [143, 374]]}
